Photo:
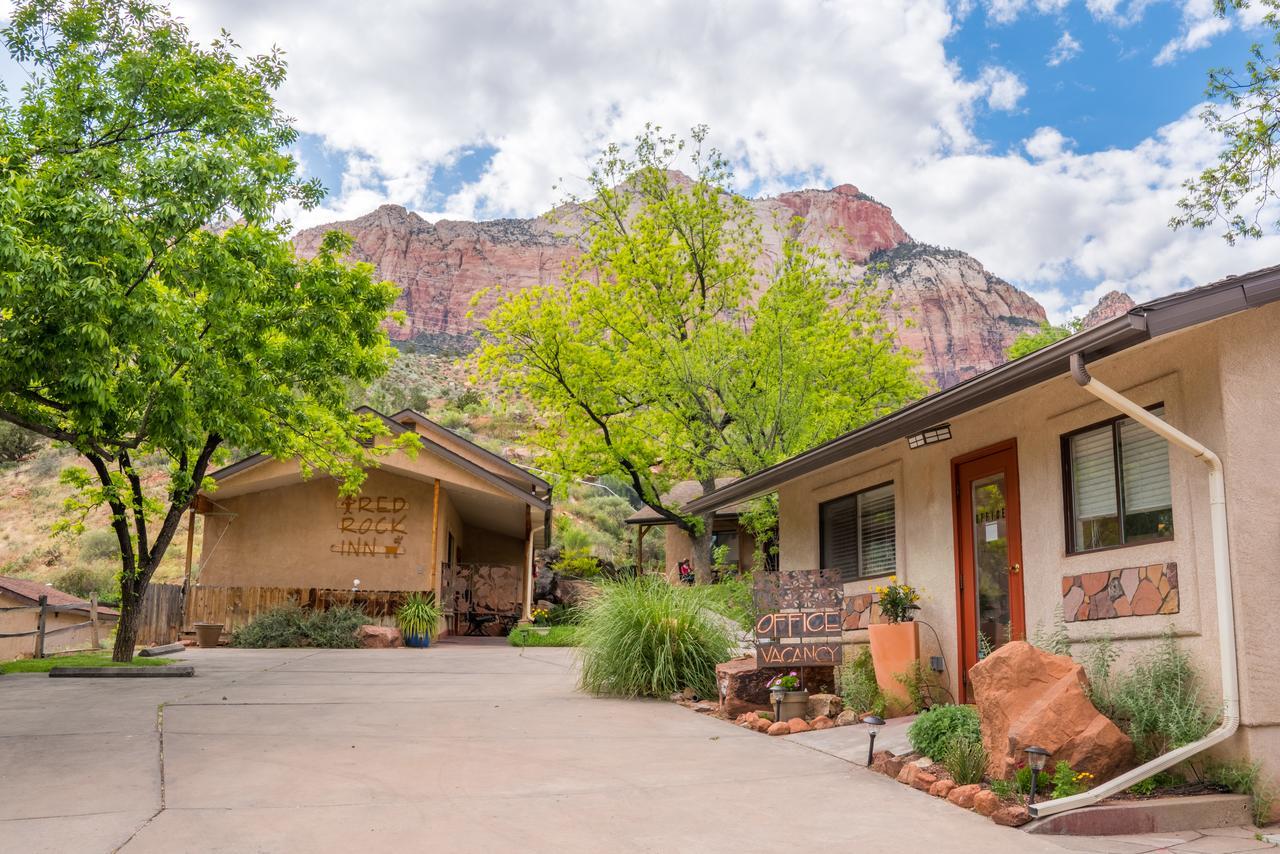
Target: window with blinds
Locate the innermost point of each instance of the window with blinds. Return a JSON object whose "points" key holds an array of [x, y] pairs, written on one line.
{"points": [[859, 533], [1117, 484]]}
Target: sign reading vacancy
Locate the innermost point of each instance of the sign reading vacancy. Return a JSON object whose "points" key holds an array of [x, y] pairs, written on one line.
{"points": [[800, 617]]}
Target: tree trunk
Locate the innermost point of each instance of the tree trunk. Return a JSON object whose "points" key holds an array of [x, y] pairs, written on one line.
{"points": [[127, 627], [702, 551]]}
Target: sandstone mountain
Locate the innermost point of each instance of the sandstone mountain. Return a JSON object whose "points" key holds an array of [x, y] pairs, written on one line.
{"points": [[963, 317]]}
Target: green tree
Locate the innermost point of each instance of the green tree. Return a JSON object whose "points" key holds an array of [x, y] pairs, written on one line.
{"points": [[1244, 110], [134, 319], [677, 347], [1045, 334]]}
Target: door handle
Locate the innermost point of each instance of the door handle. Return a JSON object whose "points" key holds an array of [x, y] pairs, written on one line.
{"points": [[1015, 569]]}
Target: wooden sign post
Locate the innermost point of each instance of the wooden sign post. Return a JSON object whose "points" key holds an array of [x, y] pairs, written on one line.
{"points": [[800, 617]]}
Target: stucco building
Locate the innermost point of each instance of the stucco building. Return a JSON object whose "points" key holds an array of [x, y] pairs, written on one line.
{"points": [[456, 519], [731, 538], [67, 628], [1021, 493]]}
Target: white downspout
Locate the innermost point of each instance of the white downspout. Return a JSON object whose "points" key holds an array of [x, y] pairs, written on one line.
{"points": [[1222, 585]]}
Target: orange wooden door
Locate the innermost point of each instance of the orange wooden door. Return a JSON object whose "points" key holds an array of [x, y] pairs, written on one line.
{"points": [[989, 554]]}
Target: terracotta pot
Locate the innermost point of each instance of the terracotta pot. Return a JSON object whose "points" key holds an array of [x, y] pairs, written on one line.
{"points": [[795, 704], [208, 634], [894, 646]]}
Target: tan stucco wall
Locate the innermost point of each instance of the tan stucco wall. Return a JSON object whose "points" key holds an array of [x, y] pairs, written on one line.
{"points": [[486, 547], [291, 537], [1217, 383]]}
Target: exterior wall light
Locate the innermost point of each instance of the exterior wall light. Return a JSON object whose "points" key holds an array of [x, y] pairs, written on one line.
{"points": [[937, 433], [1036, 759], [873, 722]]}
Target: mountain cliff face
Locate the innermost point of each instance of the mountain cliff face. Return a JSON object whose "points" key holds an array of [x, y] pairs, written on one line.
{"points": [[963, 317]]}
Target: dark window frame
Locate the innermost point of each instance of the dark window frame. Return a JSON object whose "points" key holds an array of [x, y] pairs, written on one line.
{"points": [[1068, 495], [822, 532]]}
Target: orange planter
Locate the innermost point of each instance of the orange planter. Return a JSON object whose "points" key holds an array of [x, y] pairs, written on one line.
{"points": [[894, 646]]}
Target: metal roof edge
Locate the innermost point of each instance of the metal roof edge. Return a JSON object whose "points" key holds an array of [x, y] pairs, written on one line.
{"points": [[506, 464]]}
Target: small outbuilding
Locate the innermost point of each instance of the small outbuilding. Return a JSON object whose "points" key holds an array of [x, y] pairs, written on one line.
{"points": [[68, 627]]}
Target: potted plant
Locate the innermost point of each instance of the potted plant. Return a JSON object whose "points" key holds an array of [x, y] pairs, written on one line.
{"points": [[789, 700], [418, 618], [895, 643]]}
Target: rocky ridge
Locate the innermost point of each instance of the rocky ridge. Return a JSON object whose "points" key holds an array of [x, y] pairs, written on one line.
{"points": [[962, 316]]}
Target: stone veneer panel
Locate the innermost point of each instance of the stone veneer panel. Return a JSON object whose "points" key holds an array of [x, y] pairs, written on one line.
{"points": [[1135, 591], [859, 611]]}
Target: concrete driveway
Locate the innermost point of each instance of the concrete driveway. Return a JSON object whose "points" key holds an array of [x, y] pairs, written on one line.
{"points": [[462, 748]]}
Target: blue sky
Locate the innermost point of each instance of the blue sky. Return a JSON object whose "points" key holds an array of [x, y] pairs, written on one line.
{"points": [[1048, 138]]}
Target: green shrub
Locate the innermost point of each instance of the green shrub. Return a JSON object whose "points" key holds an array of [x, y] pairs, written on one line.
{"points": [[1067, 781], [965, 760], [1157, 701], [554, 636], [645, 637], [83, 581], [1054, 638], [858, 685], [580, 563], [1244, 778], [919, 683], [99, 544], [291, 625], [933, 729], [1003, 789], [731, 596], [16, 444]]}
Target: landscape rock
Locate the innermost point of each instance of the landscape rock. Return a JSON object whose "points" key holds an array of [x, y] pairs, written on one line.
{"points": [[847, 718], [747, 686], [762, 725], [962, 796], [798, 725], [379, 637], [924, 781], [746, 719], [908, 774], [892, 766], [1013, 815], [1026, 696], [825, 705], [878, 760], [704, 707], [986, 802], [942, 788], [779, 728], [822, 722]]}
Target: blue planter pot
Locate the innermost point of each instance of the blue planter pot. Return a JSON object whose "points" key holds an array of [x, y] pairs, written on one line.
{"points": [[419, 641]]}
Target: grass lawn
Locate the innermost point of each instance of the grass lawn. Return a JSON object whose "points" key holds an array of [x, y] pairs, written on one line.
{"points": [[83, 659], [557, 636]]}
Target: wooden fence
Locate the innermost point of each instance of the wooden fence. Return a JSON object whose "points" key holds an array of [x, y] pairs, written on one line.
{"points": [[43, 639], [236, 606], [160, 615]]}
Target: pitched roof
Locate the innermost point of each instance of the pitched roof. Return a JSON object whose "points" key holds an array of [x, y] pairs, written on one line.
{"points": [[679, 495], [25, 588], [500, 465], [1140, 324]]}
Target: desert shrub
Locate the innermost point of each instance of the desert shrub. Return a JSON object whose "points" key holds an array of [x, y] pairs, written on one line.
{"points": [[858, 685], [731, 596], [46, 465], [1244, 778], [84, 581], [1067, 781], [920, 684], [644, 637], [291, 625], [965, 760], [451, 418], [1053, 638], [933, 729], [1157, 701], [16, 444], [1002, 789], [99, 544]]}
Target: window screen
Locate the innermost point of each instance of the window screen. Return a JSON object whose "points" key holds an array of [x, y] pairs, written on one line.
{"points": [[859, 533]]}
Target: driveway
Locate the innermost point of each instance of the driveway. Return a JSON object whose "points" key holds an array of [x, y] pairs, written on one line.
{"points": [[461, 748]]}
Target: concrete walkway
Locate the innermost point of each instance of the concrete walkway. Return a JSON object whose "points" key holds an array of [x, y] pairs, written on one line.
{"points": [[461, 748]]}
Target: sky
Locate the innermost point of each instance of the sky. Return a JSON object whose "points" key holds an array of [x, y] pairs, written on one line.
{"points": [[1047, 138]]}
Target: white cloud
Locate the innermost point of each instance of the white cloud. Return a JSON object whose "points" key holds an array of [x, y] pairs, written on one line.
{"points": [[859, 92], [1004, 89], [1064, 50], [1197, 32], [1007, 11]]}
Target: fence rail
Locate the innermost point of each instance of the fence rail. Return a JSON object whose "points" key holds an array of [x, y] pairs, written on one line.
{"points": [[237, 606], [42, 632]]}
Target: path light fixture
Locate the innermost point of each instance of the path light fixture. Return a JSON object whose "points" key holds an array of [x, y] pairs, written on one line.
{"points": [[1036, 759], [724, 689], [775, 694], [873, 722]]}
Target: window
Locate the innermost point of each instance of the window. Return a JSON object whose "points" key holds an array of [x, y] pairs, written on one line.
{"points": [[729, 540], [858, 533], [1117, 483]]}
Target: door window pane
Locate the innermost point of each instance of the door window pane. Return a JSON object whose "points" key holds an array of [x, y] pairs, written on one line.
{"points": [[991, 563]]}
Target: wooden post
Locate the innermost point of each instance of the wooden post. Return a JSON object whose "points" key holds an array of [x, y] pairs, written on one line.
{"points": [[641, 530], [44, 603], [93, 619], [191, 546], [435, 533]]}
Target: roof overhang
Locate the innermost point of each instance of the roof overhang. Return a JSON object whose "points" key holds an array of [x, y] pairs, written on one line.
{"points": [[1142, 323]]}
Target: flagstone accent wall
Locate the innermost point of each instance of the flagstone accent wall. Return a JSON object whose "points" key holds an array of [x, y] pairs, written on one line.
{"points": [[858, 611], [1135, 591]]}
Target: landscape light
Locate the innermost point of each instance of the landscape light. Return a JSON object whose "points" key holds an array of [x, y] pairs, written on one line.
{"points": [[938, 433], [1036, 759], [873, 722]]}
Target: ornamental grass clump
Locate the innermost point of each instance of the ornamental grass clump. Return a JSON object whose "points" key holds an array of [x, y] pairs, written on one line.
{"points": [[644, 637], [965, 760], [858, 686], [419, 616]]}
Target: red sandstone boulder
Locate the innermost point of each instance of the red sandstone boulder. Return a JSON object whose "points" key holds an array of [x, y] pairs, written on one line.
{"points": [[746, 719], [893, 766], [985, 802], [798, 725], [747, 686], [878, 761], [924, 781], [779, 728], [847, 718], [1027, 696], [1013, 815], [379, 637], [762, 725], [908, 773], [825, 705], [822, 722], [942, 788], [962, 796]]}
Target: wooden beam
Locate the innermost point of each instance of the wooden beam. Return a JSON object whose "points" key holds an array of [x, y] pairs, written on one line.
{"points": [[191, 545], [93, 619], [44, 603], [435, 533]]}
